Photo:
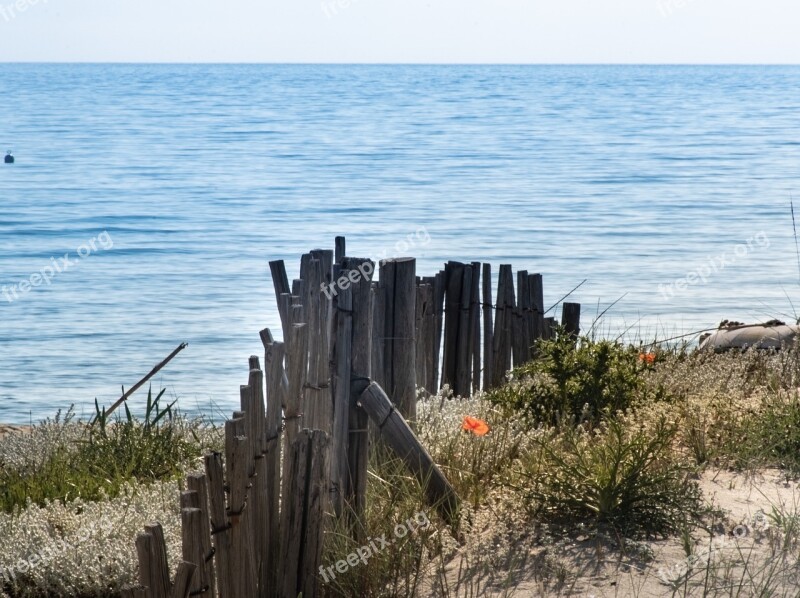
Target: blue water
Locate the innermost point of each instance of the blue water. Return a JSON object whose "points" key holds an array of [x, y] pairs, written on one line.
{"points": [[630, 177]]}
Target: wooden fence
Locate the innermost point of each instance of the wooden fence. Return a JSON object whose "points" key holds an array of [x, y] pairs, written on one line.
{"points": [[355, 350]]}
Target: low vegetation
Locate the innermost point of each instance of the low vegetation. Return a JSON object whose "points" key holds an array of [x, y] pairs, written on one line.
{"points": [[92, 462], [602, 461]]}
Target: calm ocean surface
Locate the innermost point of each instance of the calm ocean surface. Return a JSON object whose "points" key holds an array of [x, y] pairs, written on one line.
{"points": [[630, 177]]}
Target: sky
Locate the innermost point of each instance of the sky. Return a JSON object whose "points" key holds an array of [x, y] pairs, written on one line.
{"points": [[404, 31]]}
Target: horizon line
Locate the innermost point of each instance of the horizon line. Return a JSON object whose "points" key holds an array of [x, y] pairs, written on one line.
{"points": [[302, 63]]}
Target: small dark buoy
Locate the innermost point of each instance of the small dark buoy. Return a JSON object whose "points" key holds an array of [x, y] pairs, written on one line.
{"points": [[9, 158]]}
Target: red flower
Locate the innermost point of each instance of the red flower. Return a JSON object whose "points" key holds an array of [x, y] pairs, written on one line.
{"points": [[647, 357], [475, 425]]}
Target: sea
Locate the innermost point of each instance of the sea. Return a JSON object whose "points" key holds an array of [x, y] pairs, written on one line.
{"points": [[145, 202]]}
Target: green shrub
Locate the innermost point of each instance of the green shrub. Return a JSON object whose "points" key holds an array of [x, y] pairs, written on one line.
{"points": [[103, 457], [630, 480], [774, 435], [570, 381]]}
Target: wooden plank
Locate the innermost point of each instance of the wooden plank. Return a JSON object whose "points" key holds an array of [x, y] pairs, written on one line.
{"points": [[305, 523], [160, 584], [427, 352], [475, 325], [463, 382], [454, 282], [280, 283], [342, 360], [144, 549], [378, 332], [397, 434], [398, 278], [314, 394], [439, 288], [322, 365], [193, 529], [523, 321], [536, 293], [571, 318], [340, 249], [184, 580], [198, 484], [237, 467], [423, 300], [361, 355], [488, 336], [277, 385], [502, 327], [219, 524], [549, 328], [260, 493]]}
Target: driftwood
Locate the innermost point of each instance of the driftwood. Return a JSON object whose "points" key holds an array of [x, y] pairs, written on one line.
{"points": [[141, 382]]}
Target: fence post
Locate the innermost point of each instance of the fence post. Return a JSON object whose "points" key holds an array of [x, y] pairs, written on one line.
{"points": [[398, 277], [277, 383], [571, 318], [378, 319], [502, 325], [341, 358], [308, 467], [454, 277], [361, 352], [237, 465], [464, 341], [401, 439], [488, 355], [197, 484], [475, 325], [220, 528]]}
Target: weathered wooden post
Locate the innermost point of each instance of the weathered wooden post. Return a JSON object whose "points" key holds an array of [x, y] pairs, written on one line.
{"points": [[280, 283], [342, 368], [502, 325], [198, 484], [361, 364], [454, 284], [378, 319], [423, 331], [397, 278], [571, 318], [340, 250], [307, 499], [523, 320], [277, 386], [475, 325], [488, 355], [464, 342], [439, 287], [220, 528], [237, 464], [397, 434], [536, 293], [193, 527]]}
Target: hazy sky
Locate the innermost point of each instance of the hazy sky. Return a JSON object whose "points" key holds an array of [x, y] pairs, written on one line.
{"points": [[549, 31]]}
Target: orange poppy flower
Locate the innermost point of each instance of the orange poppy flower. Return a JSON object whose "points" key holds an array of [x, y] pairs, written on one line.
{"points": [[475, 425], [647, 357]]}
